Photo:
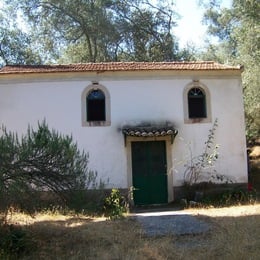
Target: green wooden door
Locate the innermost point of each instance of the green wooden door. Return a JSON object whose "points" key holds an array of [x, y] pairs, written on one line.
{"points": [[149, 172]]}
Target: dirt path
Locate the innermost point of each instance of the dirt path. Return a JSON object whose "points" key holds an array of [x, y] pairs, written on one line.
{"points": [[188, 222]]}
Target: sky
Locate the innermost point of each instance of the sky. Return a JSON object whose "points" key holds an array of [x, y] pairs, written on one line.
{"points": [[190, 28]]}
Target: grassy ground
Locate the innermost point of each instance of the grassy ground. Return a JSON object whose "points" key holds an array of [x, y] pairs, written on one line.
{"points": [[235, 235]]}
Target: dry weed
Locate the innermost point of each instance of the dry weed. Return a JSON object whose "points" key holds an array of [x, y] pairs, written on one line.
{"points": [[233, 236]]}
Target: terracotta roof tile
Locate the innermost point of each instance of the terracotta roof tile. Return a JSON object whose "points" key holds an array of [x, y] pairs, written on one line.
{"points": [[117, 66]]}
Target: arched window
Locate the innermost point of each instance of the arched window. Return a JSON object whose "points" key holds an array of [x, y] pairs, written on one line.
{"points": [[197, 103], [96, 105]]}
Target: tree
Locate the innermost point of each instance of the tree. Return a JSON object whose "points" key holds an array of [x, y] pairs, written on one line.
{"points": [[102, 30], [146, 30], [15, 45], [41, 160], [238, 32]]}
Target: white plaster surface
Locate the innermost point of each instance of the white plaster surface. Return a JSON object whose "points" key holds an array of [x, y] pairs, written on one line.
{"points": [[133, 101]]}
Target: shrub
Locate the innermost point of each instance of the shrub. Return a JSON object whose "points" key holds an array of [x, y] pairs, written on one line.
{"points": [[237, 197], [42, 160], [229, 197], [115, 205], [14, 242], [199, 171], [198, 168]]}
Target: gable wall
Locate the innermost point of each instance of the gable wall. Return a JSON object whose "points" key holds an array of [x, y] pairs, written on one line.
{"points": [[132, 102]]}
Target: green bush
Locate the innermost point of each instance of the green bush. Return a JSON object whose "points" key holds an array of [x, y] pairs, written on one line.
{"points": [[39, 161], [14, 242], [230, 197], [114, 205], [237, 197]]}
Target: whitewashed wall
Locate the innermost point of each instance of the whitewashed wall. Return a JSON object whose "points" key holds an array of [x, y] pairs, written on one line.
{"points": [[28, 100]]}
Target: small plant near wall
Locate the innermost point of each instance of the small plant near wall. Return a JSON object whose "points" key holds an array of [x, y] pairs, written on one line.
{"points": [[115, 205], [196, 166], [199, 170], [238, 197]]}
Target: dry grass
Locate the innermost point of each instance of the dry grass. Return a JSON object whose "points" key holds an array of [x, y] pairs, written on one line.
{"points": [[234, 235]]}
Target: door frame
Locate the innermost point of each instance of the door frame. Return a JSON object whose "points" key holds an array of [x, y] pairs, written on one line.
{"points": [[168, 147]]}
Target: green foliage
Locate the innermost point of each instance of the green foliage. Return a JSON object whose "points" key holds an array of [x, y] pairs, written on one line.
{"points": [[238, 197], [16, 46], [114, 205], [238, 30], [40, 161], [97, 31], [230, 197], [14, 242], [89, 31], [217, 195]]}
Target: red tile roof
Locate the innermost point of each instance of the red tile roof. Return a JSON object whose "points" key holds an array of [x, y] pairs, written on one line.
{"points": [[118, 66]]}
